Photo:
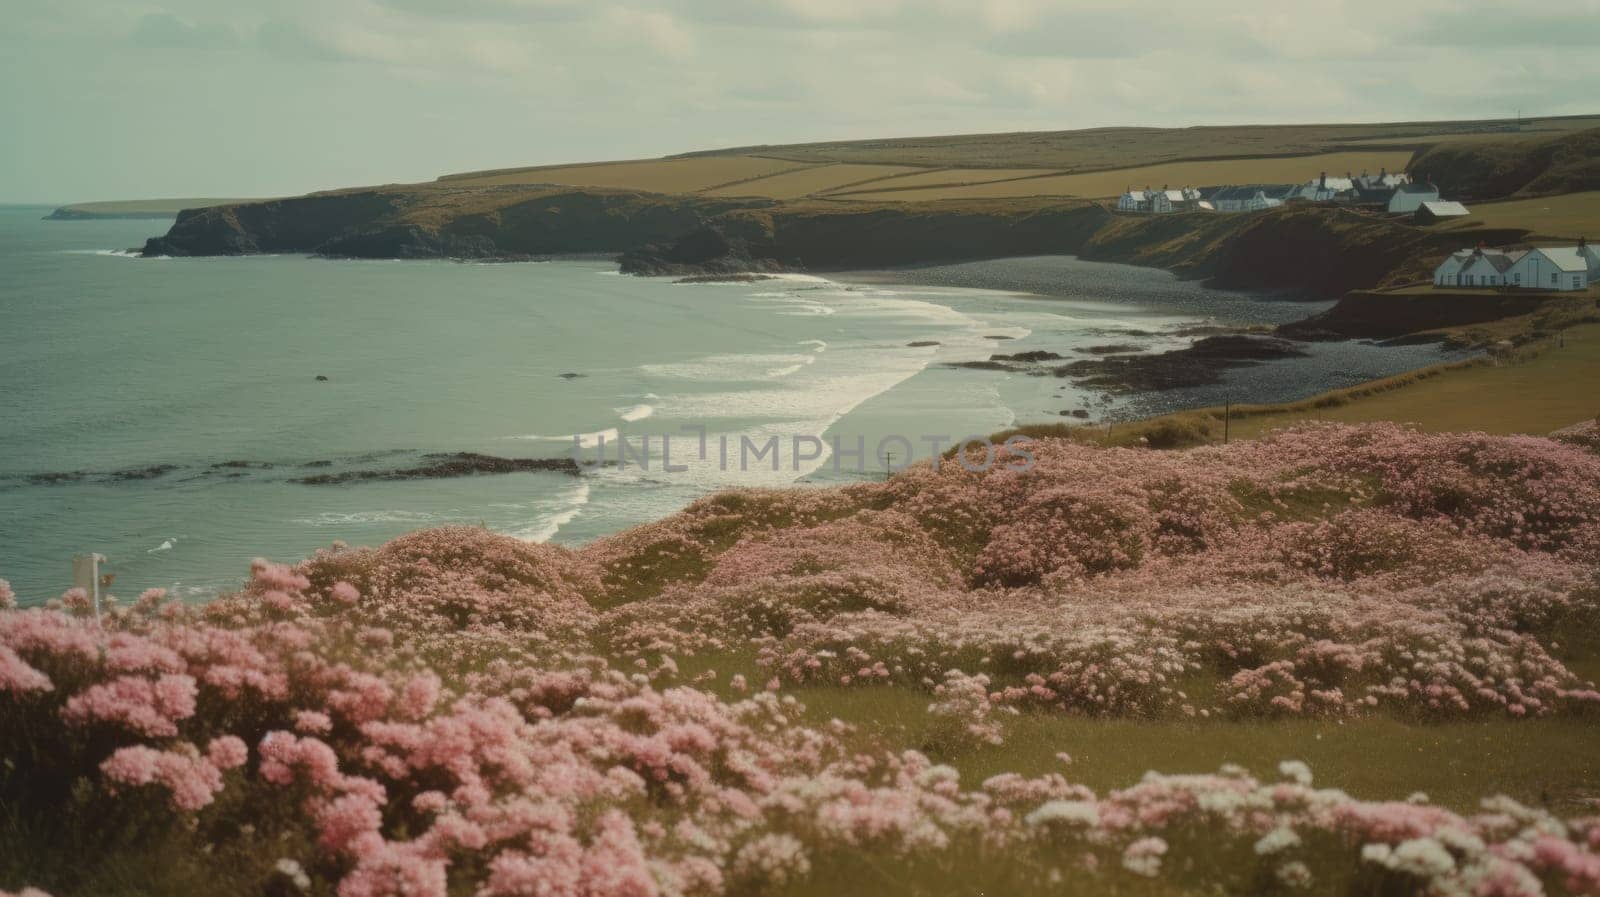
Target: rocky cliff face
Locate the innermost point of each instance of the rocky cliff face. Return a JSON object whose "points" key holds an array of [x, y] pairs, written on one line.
{"points": [[440, 222]]}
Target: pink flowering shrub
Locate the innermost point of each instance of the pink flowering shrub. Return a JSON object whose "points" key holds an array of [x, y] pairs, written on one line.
{"points": [[457, 712]]}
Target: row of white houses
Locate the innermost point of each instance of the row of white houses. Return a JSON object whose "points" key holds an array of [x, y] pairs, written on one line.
{"points": [[1561, 268], [1163, 200], [1396, 191]]}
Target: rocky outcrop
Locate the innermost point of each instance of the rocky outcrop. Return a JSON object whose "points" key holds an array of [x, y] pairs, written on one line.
{"points": [[828, 236], [440, 222]]}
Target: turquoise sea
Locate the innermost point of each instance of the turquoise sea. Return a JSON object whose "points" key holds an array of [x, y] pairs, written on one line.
{"points": [[158, 411]]}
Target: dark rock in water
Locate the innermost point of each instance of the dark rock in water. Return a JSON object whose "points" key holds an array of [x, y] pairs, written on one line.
{"points": [[443, 466], [322, 378], [242, 465], [1033, 356], [1080, 412], [317, 464], [1112, 349], [51, 479], [78, 476], [1202, 363], [143, 473], [571, 376], [918, 344], [981, 365], [997, 336]]}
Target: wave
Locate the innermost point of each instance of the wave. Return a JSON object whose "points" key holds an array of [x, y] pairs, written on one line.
{"points": [[362, 518], [637, 412], [585, 440], [546, 529]]}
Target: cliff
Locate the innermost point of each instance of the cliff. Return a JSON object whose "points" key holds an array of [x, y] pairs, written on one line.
{"points": [[440, 222]]}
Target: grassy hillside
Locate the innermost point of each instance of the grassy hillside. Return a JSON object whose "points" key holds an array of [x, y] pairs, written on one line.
{"points": [[1496, 169], [136, 208], [1088, 163], [1561, 218], [1102, 148]]}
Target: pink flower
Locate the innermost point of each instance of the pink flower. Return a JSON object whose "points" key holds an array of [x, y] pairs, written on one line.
{"points": [[190, 780], [227, 752]]}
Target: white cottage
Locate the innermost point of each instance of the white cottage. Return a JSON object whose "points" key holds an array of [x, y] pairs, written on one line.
{"points": [[1163, 200], [1324, 188], [1407, 198], [1134, 201], [1450, 269], [1487, 268], [1562, 268], [1253, 198]]}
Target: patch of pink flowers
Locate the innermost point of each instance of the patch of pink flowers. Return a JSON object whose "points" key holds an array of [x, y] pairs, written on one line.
{"points": [[459, 712]]}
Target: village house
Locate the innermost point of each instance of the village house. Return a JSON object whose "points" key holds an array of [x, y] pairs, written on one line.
{"points": [[1158, 201], [1407, 198], [1441, 210], [1560, 268], [1378, 188], [1324, 188], [1133, 201], [1486, 269], [1252, 198]]}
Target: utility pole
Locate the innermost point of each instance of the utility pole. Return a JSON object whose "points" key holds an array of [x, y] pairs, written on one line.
{"points": [[888, 465], [1227, 418]]}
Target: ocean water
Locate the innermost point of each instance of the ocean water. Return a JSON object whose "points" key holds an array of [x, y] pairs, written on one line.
{"points": [[159, 411]]}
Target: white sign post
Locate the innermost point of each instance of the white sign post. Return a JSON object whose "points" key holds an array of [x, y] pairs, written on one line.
{"points": [[86, 576]]}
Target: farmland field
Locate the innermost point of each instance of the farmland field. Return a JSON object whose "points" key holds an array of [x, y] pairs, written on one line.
{"points": [[810, 180], [1568, 216], [1101, 148], [656, 175], [1100, 184]]}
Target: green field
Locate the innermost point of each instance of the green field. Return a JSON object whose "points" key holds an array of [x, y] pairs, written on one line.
{"points": [[1567, 217]]}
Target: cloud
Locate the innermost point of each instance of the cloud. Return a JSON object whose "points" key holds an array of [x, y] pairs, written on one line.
{"points": [[654, 28], [165, 31], [510, 11], [290, 40], [1476, 28]]}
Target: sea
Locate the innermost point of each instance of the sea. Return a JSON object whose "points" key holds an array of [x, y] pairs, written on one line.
{"points": [[165, 412]]}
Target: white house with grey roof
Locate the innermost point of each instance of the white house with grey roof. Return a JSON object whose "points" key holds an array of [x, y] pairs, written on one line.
{"points": [[1253, 197], [1407, 198], [1157, 201], [1561, 268], [1324, 188]]}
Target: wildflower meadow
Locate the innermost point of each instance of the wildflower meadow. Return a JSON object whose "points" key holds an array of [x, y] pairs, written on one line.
{"points": [[888, 688]]}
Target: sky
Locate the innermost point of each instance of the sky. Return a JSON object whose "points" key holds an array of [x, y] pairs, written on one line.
{"points": [[234, 98]]}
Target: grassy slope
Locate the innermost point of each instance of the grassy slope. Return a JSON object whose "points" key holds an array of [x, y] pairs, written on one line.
{"points": [[1550, 217], [1104, 148]]}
